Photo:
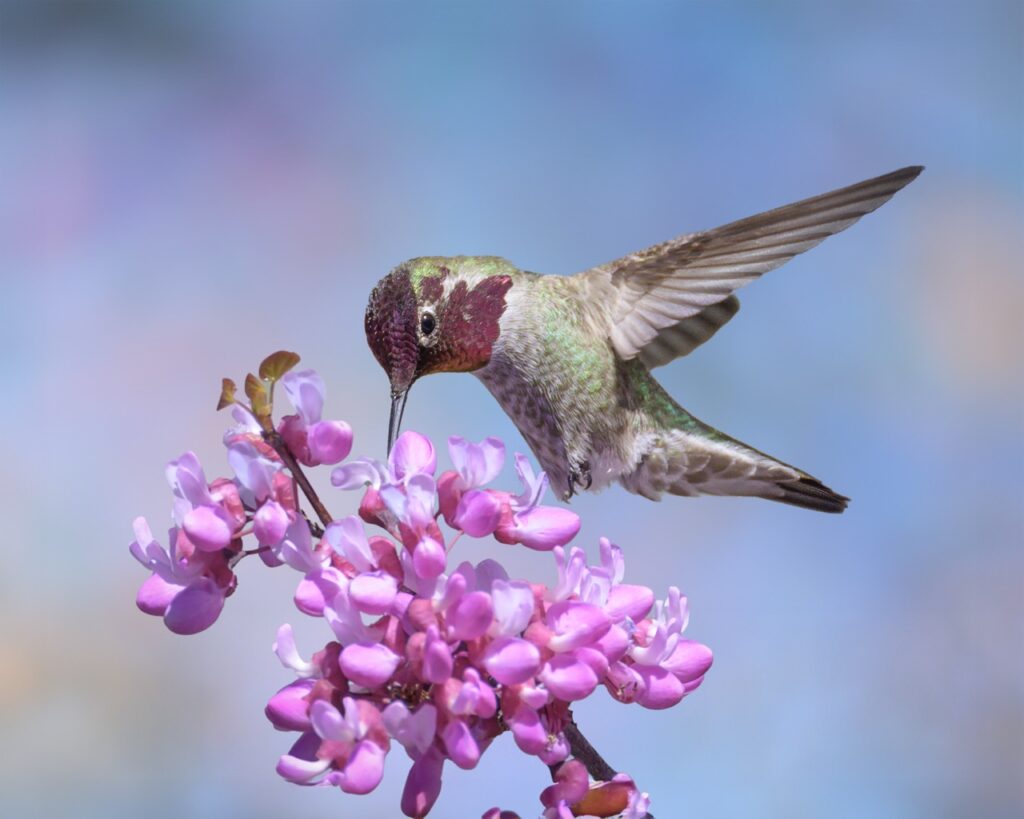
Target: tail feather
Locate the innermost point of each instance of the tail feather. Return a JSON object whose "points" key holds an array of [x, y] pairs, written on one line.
{"points": [[704, 461]]}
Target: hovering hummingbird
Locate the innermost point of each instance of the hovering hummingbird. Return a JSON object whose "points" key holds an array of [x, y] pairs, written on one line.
{"points": [[569, 358]]}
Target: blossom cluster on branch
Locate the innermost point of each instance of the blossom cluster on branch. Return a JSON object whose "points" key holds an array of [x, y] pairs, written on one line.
{"points": [[439, 658]]}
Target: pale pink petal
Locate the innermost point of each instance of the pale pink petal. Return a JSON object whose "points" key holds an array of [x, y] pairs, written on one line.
{"points": [[195, 608], [328, 722], [300, 764], [413, 453], [348, 538], [305, 390], [415, 730], [369, 665], [358, 474], [513, 605], [511, 660], [478, 464], [288, 654], [329, 441], [568, 679]]}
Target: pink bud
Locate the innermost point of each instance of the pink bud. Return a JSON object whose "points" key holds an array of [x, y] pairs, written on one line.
{"points": [[368, 665], [270, 523], [428, 558], [329, 441], [288, 709]]}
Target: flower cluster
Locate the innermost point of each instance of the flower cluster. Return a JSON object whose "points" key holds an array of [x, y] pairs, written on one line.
{"points": [[441, 659]]}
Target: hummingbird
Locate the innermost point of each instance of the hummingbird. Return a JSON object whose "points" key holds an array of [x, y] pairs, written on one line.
{"points": [[569, 358]]}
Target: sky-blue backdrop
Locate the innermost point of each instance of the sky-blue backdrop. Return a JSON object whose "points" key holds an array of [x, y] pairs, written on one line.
{"points": [[189, 186]]}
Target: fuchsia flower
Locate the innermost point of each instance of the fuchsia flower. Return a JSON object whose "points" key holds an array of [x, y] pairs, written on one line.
{"points": [[442, 660]]}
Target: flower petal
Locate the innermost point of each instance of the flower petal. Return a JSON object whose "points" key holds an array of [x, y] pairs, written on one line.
{"points": [[511, 660], [270, 523], [471, 616], [461, 745], [288, 709], [195, 608], [423, 785], [412, 454], [478, 513], [368, 665], [373, 592], [300, 764], [208, 527], [513, 605], [568, 679], [544, 527], [329, 441], [364, 769], [305, 390]]}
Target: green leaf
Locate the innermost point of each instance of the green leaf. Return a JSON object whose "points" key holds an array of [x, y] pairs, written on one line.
{"points": [[227, 393], [277, 364]]}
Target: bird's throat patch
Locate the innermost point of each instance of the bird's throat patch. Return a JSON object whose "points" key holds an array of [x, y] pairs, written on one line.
{"points": [[469, 322]]}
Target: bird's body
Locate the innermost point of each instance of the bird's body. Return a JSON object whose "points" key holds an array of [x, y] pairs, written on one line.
{"points": [[569, 358]]}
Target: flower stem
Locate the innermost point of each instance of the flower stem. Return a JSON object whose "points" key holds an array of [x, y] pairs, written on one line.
{"points": [[281, 448], [582, 750]]}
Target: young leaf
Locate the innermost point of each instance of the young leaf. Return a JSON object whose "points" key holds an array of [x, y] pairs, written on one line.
{"points": [[277, 364], [227, 393], [260, 398]]}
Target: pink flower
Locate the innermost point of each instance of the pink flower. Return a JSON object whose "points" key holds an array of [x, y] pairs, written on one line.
{"points": [[187, 587], [312, 440], [525, 522], [441, 660]]}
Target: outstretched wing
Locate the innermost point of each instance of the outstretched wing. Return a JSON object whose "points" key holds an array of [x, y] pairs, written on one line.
{"points": [[664, 285]]}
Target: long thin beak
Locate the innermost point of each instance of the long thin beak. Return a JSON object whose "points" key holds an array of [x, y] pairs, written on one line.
{"points": [[397, 411]]}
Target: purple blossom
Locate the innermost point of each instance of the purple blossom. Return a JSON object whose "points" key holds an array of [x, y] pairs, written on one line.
{"points": [[440, 659]]}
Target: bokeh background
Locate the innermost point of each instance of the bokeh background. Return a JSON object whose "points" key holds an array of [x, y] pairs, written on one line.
{"points": [[188, 186]]}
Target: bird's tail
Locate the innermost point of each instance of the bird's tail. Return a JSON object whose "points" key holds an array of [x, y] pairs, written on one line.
{"points": [[700, 460]]}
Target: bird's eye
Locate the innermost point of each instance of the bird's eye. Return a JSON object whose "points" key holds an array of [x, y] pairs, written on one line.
{"points": [[427, 324]]}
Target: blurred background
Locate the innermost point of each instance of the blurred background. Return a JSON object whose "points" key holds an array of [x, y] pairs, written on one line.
{"points": [[189, 186]]}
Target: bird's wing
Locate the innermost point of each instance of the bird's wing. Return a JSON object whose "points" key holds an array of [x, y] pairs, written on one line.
{"points": [[666, 284], [684, 337]]}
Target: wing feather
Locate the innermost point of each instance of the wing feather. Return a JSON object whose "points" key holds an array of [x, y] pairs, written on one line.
{"points": [[660, 287]]}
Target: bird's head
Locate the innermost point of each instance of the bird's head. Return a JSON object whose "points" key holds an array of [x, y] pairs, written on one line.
{"points": [[432, 315]]}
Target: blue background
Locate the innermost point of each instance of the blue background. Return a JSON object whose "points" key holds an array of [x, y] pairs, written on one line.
{"points": [[189, 186]]}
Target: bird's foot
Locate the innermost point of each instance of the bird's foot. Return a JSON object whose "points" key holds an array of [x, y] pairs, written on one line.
{"points": [[579, 477]]}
